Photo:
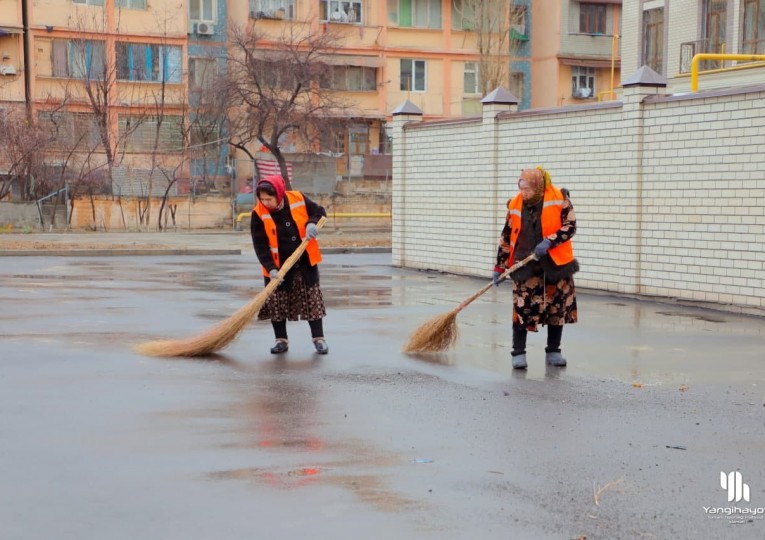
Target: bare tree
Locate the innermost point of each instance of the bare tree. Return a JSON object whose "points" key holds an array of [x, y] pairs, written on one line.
{"points": [[22, 146], [208, 125], [276, 88], [499, 30]]}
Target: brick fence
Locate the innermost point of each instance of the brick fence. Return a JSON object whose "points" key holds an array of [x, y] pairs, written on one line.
{"points": [[669, 191]]}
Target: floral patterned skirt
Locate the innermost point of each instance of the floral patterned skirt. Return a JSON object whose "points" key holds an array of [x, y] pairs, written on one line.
{"points": [[300, 301], [538, 302]]}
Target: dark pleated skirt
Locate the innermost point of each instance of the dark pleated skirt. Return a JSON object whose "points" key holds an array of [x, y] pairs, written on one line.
{"points": [[299, 302]]}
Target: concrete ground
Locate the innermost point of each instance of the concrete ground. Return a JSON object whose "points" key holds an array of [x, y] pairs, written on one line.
{"points": [[628, 441]]}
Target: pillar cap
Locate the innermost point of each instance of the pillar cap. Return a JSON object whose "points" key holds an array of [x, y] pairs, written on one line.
{"points": [[407, 107]]}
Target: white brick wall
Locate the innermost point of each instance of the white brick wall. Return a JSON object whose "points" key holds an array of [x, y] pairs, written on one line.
{"points": [[681, 215]]}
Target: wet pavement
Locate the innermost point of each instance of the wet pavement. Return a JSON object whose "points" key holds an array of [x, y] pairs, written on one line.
{"points": [[628, 441]]}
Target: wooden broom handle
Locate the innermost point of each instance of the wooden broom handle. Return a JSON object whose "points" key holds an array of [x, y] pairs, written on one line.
{"points": [[504, 275], [292, 259]]}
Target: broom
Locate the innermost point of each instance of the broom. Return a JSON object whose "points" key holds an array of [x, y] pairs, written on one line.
{"points": [[225, 331], [440, 333]]}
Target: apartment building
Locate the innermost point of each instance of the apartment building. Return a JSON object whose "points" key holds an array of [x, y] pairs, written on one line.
{"points": [[424, 51], [576, 51], [667, 35], [11, 53], [207, 52], [107, 78]]}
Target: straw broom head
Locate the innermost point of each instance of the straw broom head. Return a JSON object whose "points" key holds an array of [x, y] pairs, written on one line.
{"points": [[225, 331], [214, 339], [440, 333], [437, 334]]}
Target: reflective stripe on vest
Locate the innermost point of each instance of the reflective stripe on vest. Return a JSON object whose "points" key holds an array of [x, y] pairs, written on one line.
{"points": [[299, 216], [551, 223]]}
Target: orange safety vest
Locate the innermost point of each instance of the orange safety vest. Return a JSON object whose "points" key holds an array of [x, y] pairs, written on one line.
{"points": [[551, 223], [300, 217]]}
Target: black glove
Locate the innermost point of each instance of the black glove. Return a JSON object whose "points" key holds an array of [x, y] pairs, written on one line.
{"points": [[542, 248]]}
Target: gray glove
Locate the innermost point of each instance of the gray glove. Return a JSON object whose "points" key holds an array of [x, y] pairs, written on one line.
{"points": [[496, 276], [311, 231], [273, 274], [542, 248]]}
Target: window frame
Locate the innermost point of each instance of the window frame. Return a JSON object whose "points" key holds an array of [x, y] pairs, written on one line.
{"points": [[476, 71], [75, 57], [94, 3], [326, 11], [164, 75], [267, 9], [653, 34], [756, 44], [128, 4], [515, 86], [413, 71], [394, 14], [194, 75], [595, 14], [590, 74], [213, 11]]}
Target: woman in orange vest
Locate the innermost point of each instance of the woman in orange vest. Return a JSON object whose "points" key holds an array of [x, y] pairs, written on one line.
{"points": [[540, 220], [280, 221]]}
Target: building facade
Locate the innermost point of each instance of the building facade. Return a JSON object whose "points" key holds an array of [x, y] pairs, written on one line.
{"points": [[11, 52], [576, 55], [667, 35], [425, 51]]}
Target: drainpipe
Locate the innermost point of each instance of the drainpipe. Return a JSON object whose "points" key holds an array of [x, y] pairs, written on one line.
{"points": [[27, 64]]}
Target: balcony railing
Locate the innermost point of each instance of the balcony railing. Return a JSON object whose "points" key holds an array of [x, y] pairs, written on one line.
{"points": [[690, 49]]}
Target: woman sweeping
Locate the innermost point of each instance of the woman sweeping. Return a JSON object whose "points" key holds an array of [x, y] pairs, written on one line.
{"points": [[281, 219], [540, 220]]}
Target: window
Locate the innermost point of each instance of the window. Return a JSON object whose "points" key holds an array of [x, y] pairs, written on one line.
{"points": [[272, 9], [582, 82], [463, 15], [753, 35], [347, 12], [715, 15], [148, 62], [471, 81], [519, 19], [202, 72], [130, 4], [413, 75], [71, 129], [142, 138], [653, 39], [351, 79], [592, 18], [78, 59], [202, 10], [89, 2], [417, 13], [517, 82]]}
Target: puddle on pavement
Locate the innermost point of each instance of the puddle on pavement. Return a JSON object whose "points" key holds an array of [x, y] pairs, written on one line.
{"points": [[704, 318], [370, 489]]}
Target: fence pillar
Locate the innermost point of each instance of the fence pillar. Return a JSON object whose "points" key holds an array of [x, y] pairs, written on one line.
{"points": [[402, 115], [643, 83], [497, 102]]}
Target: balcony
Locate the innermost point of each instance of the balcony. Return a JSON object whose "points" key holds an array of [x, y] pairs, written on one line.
{"points": [[689, 49]]}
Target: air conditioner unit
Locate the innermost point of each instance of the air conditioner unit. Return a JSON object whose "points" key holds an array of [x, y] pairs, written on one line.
{"points": [[582, 92], [205, 29], [7, 70]]}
